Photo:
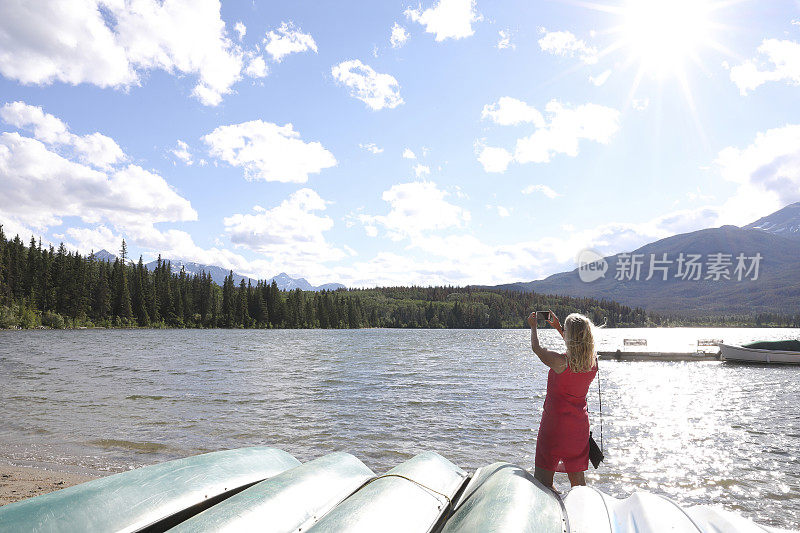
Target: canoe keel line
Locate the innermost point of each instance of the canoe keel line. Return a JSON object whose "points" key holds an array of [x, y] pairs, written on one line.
{"points": [[267, 490]]}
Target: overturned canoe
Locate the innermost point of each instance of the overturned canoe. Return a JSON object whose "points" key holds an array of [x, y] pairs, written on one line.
{"points": [[290, 501], [413, 496], [263, 489], [149, 498], [592, 511], [504, 497]]}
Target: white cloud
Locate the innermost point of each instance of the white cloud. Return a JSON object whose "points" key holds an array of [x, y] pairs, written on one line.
{"points": [[371, 147], [640, 104], [493, 159], [448, 19], [95, 239], [505, 40], [779, 61], [292, 230], [698, 195], [182, 153], [176, 244], [561, 133], [94, 149], [509, 111], [268, 152], [40, 187], [421, 170], [544, 189], [408, 154], [566, 127], [564, 43], [600, 79], [768, 168], [60, 174], [376, 90], [502, 212], [415, 208], [795, 22], [240, 29], [112, 44], [463, 259], [287, 40], [256, 67], [399, 36]]}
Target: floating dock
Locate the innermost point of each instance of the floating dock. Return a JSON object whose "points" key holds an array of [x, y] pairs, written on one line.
{"points": [[267, 490], [620, 355]]}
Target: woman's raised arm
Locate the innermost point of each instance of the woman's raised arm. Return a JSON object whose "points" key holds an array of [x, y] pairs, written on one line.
{"points": [[552, 359]]}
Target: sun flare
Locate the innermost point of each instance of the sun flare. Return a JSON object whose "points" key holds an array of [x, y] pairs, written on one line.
{"points": [[660, 36]]}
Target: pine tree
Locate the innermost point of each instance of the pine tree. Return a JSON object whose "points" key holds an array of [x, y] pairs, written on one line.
{"points": [[123, 253], [122, 295], [166, 307], [262, 313], [101, 302], [78, 301], [227, 301], [32, 272], [242, 317], [177, 299], [139, 296], [60, 277], [308, 314]]}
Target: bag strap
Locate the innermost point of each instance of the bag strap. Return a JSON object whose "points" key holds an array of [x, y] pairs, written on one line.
{"points": [[600, 398]]}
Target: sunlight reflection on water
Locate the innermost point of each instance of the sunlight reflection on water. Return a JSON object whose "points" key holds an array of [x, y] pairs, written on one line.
{"points": [[699, 432]]}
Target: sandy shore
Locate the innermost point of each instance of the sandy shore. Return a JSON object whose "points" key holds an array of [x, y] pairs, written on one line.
{"points": [[20, 482]]}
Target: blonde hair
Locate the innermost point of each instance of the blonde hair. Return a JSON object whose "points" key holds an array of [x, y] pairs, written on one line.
{"points": [[580, 342]]}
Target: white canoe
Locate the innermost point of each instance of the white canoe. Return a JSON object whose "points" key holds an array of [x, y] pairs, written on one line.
{"points": [[755, 355]]}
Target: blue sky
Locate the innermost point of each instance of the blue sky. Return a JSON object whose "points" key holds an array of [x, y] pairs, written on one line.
{"points": [[376, 143]]}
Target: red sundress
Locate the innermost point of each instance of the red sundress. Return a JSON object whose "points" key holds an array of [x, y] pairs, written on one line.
{"points": [[563, 441]]}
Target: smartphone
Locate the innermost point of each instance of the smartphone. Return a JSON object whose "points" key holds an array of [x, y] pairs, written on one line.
{"points": [[542, 315]]}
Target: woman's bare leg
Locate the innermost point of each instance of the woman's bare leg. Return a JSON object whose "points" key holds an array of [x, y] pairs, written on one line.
{"points": [[576, 478], [544, 476]]}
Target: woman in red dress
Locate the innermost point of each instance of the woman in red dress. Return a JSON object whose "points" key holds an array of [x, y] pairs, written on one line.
{"points": [[563, 441]]}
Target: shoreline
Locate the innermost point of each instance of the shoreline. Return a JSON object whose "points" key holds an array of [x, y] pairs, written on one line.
{"points": [[522, 328], [23, 482]]}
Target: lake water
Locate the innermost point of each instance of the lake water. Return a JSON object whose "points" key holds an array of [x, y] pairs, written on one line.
{"points": [[697, 432]]}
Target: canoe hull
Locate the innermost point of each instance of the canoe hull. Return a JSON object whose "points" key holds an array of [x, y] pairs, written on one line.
{"points": [[147, 497], [740, 354]]}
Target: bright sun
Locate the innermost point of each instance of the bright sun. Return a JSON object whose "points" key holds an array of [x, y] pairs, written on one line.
{"points": [[661, 35]]}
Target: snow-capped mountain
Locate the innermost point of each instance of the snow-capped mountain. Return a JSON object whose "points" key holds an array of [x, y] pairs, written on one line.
{"points": [[776, 289], [785, 222], [283, 280], [218, 274]]}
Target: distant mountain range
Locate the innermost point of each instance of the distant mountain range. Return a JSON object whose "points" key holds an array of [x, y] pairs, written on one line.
{"points": [[218, 274], [777, 288]]}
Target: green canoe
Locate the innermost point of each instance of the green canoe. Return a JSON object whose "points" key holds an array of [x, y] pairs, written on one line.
{"points": [[411, 497], [290, 501], [153, 497], [503, 497]]}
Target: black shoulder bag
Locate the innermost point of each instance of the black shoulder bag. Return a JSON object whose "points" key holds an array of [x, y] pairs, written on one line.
{"points": [[596, 452]]}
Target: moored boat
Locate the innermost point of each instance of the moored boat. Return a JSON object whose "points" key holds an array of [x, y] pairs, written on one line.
{"points": [[780, 352]]}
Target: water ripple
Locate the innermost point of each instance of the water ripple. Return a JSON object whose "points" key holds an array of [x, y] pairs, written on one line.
{"points": [[698, 433]]}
